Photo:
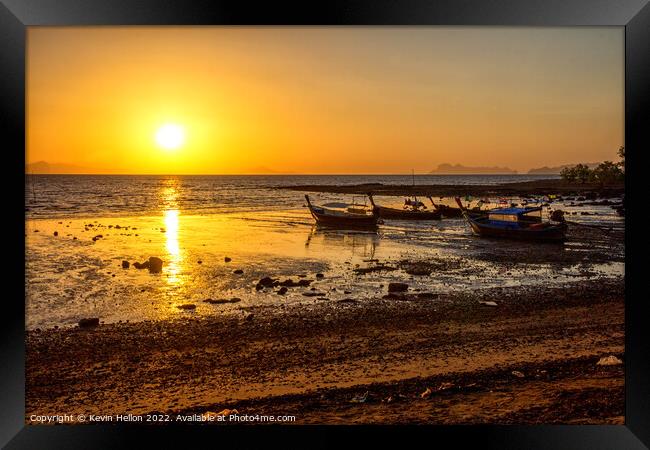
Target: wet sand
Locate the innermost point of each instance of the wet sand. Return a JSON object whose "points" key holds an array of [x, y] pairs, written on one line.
{"points": [[530, 359], [177, 342]]}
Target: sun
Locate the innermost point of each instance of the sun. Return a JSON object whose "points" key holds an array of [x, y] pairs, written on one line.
{"points": [[170, 136]]}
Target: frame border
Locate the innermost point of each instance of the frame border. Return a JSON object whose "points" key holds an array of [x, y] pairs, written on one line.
{"points": [[17, 15]]}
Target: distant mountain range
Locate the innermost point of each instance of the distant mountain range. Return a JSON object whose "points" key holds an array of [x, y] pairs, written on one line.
{"points": [[444, 169], [42, 167], [556, 169]]}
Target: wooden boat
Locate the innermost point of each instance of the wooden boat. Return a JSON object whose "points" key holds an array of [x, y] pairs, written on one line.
{"points": [[446, 210], [414, 212], [342, 219], [515, 223]]}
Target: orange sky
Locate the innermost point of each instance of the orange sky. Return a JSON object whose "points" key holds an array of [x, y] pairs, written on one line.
{"points": [[323, 99]]}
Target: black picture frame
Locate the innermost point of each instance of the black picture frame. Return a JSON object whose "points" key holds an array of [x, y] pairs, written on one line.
{"points": [[16, 15]]}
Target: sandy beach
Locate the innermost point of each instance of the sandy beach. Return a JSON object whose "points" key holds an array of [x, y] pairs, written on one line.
{"points": [[449, 359], [485, 331]]}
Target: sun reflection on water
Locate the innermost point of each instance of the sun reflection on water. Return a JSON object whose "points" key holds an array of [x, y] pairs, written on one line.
{"points": [[173, 248], [171, 219]]}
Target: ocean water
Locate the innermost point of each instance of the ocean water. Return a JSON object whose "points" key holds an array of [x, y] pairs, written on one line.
{"points": [[87, 195], [79, 229]]}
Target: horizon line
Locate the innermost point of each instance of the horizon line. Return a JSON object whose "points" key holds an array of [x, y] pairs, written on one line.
{"points": [[287, 174]]}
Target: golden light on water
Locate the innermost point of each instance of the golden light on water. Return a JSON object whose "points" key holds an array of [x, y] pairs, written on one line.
{"points": [[171, 227], [171, 224]]}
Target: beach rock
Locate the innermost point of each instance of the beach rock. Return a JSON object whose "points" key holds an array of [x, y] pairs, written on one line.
{"points": [[557, 215], [418, 269], [291, 283], [377, 268], [488, 303], [320, 275], [609, 361], [347, 300], [155, 264], [394, 296], [265, 282], [427, 295], [238, 272], [226, 259], [138, 265], [313, 294], [96, 238], [187, 306], [517, 374], [221, 301], [199, 262], [283, 290], [56, 233], [397, 287], [89, 323], [125, 264], [426, 394]]}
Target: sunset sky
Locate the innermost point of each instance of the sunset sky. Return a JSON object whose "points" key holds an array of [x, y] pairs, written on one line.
{"points": [[227, 100]]}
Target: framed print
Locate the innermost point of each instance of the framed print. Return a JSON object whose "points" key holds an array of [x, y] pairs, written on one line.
{"points": [[308, 223]]}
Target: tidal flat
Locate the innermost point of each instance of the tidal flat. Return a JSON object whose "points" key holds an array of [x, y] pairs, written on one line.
{"points": [[325, 332]]}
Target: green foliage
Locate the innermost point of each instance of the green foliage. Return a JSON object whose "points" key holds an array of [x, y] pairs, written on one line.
{"points": [[606, 172], [568, 174], [621, 154]]}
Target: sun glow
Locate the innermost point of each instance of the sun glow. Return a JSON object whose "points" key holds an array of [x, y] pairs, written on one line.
{"points": [[170, 136]]}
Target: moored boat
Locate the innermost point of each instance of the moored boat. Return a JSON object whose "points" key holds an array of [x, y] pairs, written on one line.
{"points": [[515, 223], [342, 219], [446, 210], [413, 210]]}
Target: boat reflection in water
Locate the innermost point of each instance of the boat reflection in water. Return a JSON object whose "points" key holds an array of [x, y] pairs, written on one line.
{"points": [[361, 243]]}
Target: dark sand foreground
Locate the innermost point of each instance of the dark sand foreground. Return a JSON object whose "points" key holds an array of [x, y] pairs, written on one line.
{"points": [[421, 359]]}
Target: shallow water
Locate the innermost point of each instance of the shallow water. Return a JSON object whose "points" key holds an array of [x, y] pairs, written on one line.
{"points": [[68, 279], [120, 195]]}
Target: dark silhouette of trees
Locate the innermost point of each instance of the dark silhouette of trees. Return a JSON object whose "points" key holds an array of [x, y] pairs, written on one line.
{"points": [[605, 172]]}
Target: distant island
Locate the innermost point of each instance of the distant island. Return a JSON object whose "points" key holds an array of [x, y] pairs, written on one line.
{"points": [[555, 170], [43, 167], [460, 169]]}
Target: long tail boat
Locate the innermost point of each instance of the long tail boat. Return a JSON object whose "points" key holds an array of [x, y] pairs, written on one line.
{"points": [[446, 210], [415, 211], [342, 219], [515, 223]]}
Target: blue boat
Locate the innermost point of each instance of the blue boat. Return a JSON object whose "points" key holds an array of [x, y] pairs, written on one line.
{"points": [[515, 223]]}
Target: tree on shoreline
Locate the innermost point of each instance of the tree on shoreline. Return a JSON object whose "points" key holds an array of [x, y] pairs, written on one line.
{"points": [[605, 172]]}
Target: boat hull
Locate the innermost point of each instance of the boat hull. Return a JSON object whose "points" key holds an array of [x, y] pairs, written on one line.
{"points": [[351, 221], [449, 212], [552, 233], [398, 214]]}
